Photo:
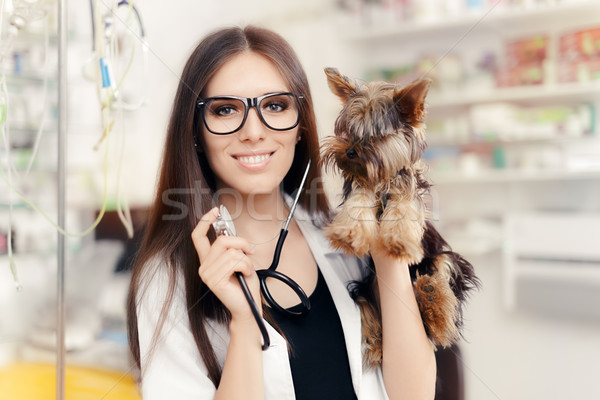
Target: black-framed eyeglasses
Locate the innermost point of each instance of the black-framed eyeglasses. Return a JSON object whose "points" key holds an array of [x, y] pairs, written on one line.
{"points": [[223, 115]]}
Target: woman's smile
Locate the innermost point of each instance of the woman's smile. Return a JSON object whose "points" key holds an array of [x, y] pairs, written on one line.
{"points": [[254, 160]]}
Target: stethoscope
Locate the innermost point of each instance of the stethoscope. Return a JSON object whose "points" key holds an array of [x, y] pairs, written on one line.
{"points": [[224, 226]]}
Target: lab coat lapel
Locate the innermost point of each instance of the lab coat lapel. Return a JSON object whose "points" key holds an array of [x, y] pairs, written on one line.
{"points": [[332, 265], [278, 382]]}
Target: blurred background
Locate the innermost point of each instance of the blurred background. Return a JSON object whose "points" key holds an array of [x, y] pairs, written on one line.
{"points": [[514, 156]]}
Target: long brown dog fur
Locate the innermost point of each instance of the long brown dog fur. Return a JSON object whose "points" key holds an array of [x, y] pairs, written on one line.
{"points": [[378, 144]]}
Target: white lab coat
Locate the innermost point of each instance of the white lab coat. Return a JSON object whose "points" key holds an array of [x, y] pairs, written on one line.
{"points": [[176, 370]]}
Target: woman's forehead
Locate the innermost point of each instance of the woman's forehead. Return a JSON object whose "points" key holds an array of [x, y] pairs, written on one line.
{"points": [[247, 74]]}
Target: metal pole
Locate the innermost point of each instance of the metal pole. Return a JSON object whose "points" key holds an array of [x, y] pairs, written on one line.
{"points": [[62, 136]]}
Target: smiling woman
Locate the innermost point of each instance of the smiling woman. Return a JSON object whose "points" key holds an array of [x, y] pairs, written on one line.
{"points": [[260, 155], [241, 134]]}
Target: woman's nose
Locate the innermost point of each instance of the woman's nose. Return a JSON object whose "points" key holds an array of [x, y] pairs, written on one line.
{"points": [[253, 128]]}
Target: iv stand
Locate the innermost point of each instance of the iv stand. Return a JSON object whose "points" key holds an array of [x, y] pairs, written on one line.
{"points": [[60, 253]]}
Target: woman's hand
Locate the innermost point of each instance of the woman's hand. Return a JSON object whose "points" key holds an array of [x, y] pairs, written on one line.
{"points": [[218, 264], [242, 375]]}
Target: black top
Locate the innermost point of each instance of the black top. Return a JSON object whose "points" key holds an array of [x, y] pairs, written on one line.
{"points": [[318, 357]]}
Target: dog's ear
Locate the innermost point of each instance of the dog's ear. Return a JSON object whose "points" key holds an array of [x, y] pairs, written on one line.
{"points": [[339, 84], [410, 100]]}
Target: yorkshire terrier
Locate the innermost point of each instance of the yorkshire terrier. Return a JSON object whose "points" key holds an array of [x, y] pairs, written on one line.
{"points": [[378, 144]]}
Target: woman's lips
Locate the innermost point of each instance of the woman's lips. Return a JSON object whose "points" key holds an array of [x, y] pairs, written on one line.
{"points": [[254, 161]]}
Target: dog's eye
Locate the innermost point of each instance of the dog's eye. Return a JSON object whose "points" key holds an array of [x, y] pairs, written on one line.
{"points": [[351, 153]]}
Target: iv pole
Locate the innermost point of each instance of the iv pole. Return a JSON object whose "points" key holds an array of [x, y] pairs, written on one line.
{"points": [[60, 254]]}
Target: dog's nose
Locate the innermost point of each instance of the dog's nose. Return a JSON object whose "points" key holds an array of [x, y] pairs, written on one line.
{"points": [[351, 153]]}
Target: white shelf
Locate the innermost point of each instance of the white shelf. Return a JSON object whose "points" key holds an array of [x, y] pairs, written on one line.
{"points": [[564, 93], [476, 247], [32, 130], [589, 273], [500, 176], [29, 78], [499, 18], [563, 139]]}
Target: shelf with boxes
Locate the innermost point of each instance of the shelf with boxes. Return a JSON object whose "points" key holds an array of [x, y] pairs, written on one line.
{"points": [[515, 92], [365, 21], [516, 176], [29, 70], [512, 112], [572, 92], [480, 51], [508, 142], [29, 97]]}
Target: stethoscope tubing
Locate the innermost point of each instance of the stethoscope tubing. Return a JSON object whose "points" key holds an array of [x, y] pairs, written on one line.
{"points": [[252, 304], [272, 273]]}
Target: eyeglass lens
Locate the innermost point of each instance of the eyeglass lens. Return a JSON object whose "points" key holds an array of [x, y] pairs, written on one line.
{"points": [[226, 115]]}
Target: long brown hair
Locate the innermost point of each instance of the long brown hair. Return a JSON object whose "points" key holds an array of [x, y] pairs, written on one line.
{"points": [[168, 232]]}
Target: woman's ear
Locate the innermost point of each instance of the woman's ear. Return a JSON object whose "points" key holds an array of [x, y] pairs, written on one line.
{"points": [[198, 146], [198, 142]]}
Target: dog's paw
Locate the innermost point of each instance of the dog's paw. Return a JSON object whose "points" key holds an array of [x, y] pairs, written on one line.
{"points": [[351, 237], [407, 250], [439, 308], [401, 231]]}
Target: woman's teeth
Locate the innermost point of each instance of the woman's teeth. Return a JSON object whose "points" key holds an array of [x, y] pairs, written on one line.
{"points": [[254, 159]]}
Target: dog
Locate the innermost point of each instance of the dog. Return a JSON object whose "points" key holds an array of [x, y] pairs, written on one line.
{"points": [[378, 146]]}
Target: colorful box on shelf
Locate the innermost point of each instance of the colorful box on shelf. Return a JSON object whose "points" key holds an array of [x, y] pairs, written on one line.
{"points": [[445, 71], [583, 43], [579, 70], [531, 73], [579, 56], [525, 62], [533, 49]]}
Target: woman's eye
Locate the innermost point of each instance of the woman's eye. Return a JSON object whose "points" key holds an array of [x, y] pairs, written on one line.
{"points": [[275, 106], [224, 110]]}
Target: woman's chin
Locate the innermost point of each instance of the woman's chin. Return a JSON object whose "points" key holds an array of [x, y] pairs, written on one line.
{"points": [[262, 191]]}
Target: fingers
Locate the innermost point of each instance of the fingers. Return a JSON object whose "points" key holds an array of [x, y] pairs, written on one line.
{"points": [[202, 244], [233, 242], [218, 271], [199, 238]]}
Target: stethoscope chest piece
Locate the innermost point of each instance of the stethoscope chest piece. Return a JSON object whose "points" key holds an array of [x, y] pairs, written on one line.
{"points": [[224, 223]]}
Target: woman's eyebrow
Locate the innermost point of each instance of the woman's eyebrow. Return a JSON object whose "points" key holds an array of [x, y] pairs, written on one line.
{"points": [[284, 90]]}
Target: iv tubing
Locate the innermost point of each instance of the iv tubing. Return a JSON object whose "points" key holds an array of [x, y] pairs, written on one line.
{"points": [[38, 136], [6, 141], [105, 137]]}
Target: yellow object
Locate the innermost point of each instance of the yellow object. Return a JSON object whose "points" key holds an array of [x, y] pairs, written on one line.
{"points": [[38, 382]]}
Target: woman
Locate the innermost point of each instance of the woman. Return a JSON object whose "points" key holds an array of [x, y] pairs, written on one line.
{"points": [[191, 330]]}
